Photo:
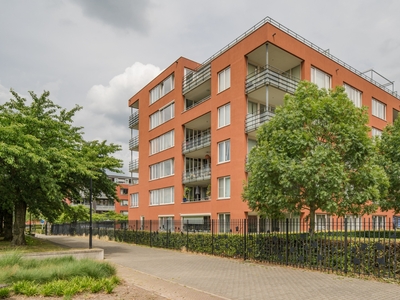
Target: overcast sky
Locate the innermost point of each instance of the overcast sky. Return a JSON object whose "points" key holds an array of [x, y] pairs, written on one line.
{"points": [[98, 53]]}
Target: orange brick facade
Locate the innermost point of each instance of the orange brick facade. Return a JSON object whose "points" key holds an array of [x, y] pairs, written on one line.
{"points": [[208, 153]]}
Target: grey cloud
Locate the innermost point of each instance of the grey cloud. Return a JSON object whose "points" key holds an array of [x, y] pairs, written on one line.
{"points": [[124, 14]]}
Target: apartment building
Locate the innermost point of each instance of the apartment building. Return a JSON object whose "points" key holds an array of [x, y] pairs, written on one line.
{"points": [[194, 124]]}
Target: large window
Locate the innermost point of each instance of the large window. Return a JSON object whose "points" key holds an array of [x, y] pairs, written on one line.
{"points": [[162, 142], [379, 222], [224, 222], [224, 79], [163, 115], [224, 187], [378, 109], [224, 115], [166, 223], [376, 132], [162, 89], [162, 169], [224, 151], [135, 200], [353, 94], [124, 191], [162, 196], [320, 78]]}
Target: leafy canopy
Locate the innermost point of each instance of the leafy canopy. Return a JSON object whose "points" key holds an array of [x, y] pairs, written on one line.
{"points": [[314, 154]]}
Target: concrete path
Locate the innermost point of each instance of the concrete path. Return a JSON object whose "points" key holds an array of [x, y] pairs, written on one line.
{"points": [[176, 275]]}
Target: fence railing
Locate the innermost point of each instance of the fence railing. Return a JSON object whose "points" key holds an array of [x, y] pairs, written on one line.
{"points": [[359, 247]]}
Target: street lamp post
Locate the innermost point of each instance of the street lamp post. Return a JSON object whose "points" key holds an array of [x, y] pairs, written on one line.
{"points": [[90, 215]]}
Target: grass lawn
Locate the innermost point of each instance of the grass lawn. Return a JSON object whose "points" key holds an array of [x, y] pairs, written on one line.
{"points": [[60, 277]]}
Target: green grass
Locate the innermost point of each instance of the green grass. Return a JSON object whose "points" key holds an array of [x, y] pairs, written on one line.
{"points": [[32, 245], [63, 276]]}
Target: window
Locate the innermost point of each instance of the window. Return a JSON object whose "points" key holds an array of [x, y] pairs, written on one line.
{"points": [[320, 78], [376, 131], [162, 196], [124, 203], [162, 169], [135, 200], [224, 222], [322, 222], [353, 222], [224, 187], [165, 223], [162, 142], [162, 89], [224, 154], [163, 115], [378, 109], [353, 94], [224, 115], [379, 222], [124, 191], [224, 79]]}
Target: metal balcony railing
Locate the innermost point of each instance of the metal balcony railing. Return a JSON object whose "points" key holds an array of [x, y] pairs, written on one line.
{"points": [[197, 142], [105, 207], [271, 76], [134, 165], [134, 119], [195, 78], [253, 121], [198, 102], [134, 143], [196, 175], [205, 198]]}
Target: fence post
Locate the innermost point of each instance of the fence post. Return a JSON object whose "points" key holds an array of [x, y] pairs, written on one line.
{"points": [[212, 237], [287, 241], [187, 235], [345, 245], [244, 239], [151, 244]]}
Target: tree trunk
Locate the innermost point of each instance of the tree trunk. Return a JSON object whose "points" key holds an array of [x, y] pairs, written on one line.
{"points": [[19, 224], [1, 222], [312, 220], [7, 229]]}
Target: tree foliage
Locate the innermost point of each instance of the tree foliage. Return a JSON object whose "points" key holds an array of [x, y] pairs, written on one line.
{"points": [[315, 153], [388, 146], [44, 159]]}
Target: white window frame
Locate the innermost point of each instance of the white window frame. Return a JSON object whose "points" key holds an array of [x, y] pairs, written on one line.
{"points": [[224, 151], [317, 75], [376, 132], [378, 222], [224, 222], [162, 142], [162, 196], [378, 109], [354, 95], [135, 200], [160, 90], [224, 79], [224, 115], [165, 223], [162, 115], [124, 203], [224, 187], [162, 169], [322, 222]]}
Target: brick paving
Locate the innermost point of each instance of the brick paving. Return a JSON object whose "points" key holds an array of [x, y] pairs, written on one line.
{"points": [[177, 275]]}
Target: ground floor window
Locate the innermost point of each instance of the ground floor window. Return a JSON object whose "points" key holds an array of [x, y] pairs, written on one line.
{"points": [[196, 223], [378, 222], [166, 223], [224, 221]]}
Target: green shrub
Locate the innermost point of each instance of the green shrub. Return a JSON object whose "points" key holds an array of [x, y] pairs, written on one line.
{"points": [[4, 293]]}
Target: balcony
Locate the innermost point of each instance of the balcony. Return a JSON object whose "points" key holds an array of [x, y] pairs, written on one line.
{"points": [[271, 76], [196, 78], [197, 143], [196, 175], [134, 143], [200, 199], [134, 120], [193, 103], [105, 207], [134, 165], [253, 121]]}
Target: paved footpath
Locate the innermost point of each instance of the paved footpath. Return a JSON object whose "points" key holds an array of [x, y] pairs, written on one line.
{"points": [[176, 275]]}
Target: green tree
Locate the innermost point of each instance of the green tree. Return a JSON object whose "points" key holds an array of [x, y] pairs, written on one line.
{"points": [[389, 145], [45, 160], [314, 154], [73, 213]]}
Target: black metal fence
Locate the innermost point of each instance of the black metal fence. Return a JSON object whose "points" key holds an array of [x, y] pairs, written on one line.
{"points": [[356, 246]]}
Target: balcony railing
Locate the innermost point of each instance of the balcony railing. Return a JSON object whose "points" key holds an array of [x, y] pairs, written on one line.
{"points": [[196, 175], [206, 198], [134, 119], [253, 121], [134, 143], [271, 76], [105, 207], [134, 165], [198, 142], [195, 78], [195, 103]]}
